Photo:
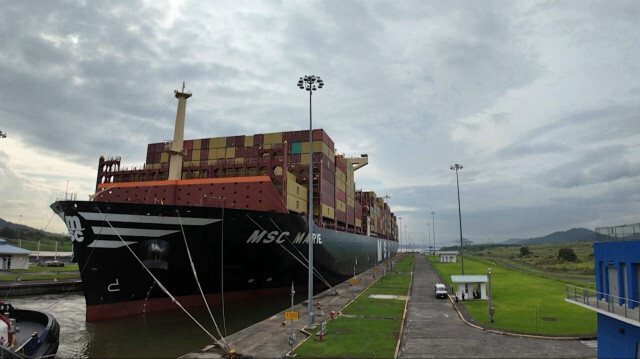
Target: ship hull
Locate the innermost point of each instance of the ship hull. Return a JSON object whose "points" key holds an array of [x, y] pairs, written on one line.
{"points": [[127, 253]]}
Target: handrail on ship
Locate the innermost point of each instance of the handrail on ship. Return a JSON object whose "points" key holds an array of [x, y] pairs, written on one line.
{"points": [[628, 308]]}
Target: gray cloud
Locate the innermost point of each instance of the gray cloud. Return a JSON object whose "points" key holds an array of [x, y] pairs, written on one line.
{"points": [[555, 82]]}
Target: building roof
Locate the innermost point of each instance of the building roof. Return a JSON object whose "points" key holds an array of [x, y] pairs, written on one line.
{"points": [[7, 249], [448, 252], [477, 278]]}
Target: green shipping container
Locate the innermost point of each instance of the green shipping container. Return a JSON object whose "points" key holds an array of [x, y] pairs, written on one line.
{"points": [[296, 148]]}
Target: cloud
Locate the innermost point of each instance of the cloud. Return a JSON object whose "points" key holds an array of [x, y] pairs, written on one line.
{"points": [[538, 100]]}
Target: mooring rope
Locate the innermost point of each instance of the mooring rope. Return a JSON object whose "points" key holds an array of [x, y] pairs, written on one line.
{"points": [[164, 289], [195, 275], [306, 265]]}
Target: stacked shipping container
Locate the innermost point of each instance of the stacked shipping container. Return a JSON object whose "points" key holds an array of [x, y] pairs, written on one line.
{"points": [[284, 158]]}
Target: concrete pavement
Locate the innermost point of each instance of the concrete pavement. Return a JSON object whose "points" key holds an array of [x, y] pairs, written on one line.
{"points": [[433, 329]]}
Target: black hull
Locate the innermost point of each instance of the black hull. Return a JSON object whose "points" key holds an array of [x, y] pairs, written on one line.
{"points": [[120, 246]]}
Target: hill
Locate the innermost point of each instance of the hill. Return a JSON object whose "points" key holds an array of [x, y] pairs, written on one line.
{"points": [[572, 235], [9, 230]]}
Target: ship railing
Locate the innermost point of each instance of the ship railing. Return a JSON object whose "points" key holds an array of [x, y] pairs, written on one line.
{"points": [[604, 302]]}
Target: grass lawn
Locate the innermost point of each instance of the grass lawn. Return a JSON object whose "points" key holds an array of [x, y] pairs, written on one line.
{"points": [[39, 273], [518, 297], [369, 327]]}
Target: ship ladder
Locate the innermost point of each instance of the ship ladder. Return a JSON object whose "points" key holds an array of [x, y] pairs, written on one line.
{"points": [[221, 344]]}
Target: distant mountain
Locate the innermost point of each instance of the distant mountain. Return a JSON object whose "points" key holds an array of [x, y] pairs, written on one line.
{"points": [[13, 230], [572, 235]]}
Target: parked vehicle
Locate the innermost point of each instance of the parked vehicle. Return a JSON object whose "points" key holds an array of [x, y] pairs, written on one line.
{"points": [[441, 290], [53, 264]]}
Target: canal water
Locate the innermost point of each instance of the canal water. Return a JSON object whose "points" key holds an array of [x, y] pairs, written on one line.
{"points": [[154, 335]]}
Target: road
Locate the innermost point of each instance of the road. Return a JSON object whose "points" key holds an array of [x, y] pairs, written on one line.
{"points": [[433, 329]]}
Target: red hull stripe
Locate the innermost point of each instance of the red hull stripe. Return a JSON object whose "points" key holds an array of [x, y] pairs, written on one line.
{"points": [[100, 312]]}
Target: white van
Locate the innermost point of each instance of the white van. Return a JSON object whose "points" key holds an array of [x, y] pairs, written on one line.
{"points": [[441, 291]]}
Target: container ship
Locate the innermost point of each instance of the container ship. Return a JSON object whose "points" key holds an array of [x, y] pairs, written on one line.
{"points": [[222, 218]]}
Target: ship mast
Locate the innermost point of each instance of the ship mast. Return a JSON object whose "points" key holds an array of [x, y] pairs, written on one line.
{"points": [[175, 147]]}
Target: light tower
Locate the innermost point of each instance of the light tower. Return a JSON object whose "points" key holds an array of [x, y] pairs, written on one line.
{"points": [[456, 167], [309, 83]]}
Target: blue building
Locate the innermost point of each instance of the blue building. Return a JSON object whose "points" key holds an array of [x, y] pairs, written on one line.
{"points": [[616, 298]]}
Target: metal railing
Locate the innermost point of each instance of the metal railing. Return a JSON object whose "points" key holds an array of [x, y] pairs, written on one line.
{"points": [[610, 303]]}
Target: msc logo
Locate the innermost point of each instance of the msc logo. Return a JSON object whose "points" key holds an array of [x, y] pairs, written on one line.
{"points": [[75, 229]]}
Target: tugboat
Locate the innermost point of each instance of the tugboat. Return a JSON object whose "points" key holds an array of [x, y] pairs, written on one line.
{"points": [[27, 333]]}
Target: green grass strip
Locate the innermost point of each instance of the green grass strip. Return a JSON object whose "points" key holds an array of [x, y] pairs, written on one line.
{"points": [[368, 327]]}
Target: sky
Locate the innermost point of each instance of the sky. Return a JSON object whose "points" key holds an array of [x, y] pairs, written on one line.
{"points": [[539, 101]]}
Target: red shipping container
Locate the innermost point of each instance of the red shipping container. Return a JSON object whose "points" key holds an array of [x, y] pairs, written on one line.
{"points": [[341, 195], [188, 144], [204, 143], [328, 199], [258, 139], [204, 155]]}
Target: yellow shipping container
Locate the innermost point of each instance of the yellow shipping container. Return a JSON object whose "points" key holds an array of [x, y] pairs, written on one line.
{"points": [[164, 157], [271, 138], [317, 147], [195, 155], [231, 152], [358, 222], [217, 142], [222, 152], [304, 159], [213, 154], [197, 144], [294, 188], [351, 202], [248, 141], [296, 204], [238, 160], [328, 212], [340, 185], [340, 175], [340, 206]]}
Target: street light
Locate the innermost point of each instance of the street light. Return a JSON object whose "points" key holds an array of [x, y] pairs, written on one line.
{"points": [[309, 83], [433, 214], [400, 233], [457, 167], [429, 241]]}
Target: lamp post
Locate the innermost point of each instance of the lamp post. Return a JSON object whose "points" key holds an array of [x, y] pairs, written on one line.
{"points": [[19, 230], [429, 241], [400, 233], [457, 167], [433, 215], [309, 83]]}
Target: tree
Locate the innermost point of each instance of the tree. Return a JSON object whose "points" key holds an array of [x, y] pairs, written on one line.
{"points": [[524, 251], [567, 254]]}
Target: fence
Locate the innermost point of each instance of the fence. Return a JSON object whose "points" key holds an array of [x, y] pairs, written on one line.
{"points": [[628, 308]]}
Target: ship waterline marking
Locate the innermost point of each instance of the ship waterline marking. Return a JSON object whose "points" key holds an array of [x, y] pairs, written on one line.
{"points": [[263, 236]]}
